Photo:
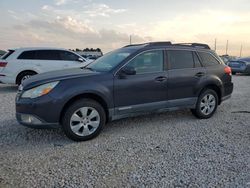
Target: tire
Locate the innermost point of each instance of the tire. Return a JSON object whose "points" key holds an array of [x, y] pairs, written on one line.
{"points": [[233, 73], [23, 76], [83, 120], [206, 105]]}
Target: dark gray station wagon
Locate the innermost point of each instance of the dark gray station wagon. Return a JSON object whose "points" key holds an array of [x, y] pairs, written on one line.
{"points": [[133, 80]]}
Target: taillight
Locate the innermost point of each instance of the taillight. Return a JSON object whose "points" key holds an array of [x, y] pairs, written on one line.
{"points": [[228, 70], [3, 64]]}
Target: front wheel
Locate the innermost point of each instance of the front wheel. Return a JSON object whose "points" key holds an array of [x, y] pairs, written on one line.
{"points": [[83, 120], [206, 105]]}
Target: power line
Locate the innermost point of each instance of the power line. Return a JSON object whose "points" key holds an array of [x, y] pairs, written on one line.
{"points": [[241, 50], [227, 47]]}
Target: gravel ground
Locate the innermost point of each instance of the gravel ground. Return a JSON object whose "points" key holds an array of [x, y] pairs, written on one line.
{"points": [[172, 149]]}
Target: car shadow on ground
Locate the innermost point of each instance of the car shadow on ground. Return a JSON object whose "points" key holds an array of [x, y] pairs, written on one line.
{"points": [[21, 136], [8, 88]]}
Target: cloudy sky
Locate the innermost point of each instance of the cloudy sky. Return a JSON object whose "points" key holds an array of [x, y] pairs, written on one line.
{"points": [[108, 24]]}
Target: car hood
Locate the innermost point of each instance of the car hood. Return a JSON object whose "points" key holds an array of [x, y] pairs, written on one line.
{"points": [[52, 76]]}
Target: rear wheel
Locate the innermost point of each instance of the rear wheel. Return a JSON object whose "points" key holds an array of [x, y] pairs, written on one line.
{"points": [[83, 120], [206, 105], [23, 76]]}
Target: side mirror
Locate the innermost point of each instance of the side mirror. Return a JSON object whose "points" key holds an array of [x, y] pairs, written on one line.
{"points": [[80, 59], [128, 70]]}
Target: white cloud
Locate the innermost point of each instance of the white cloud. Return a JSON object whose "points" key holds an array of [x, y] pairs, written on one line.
{"points": [[46, 7], [60, 2], [102, 10], [71, 33]]}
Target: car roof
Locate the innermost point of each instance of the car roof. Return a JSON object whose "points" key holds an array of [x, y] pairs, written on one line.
{"points": [[37, 48], [154, 45]]}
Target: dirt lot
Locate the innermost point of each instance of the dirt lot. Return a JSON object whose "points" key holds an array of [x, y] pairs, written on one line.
{"points": [[172, 149]]}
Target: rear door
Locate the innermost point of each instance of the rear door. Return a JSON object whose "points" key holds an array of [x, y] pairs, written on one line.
{"points": [[49, 60], [185, 72]]}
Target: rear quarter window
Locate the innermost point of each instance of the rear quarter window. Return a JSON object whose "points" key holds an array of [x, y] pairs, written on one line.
{"points": [[6, 55], [208, 59], [27, 55]]}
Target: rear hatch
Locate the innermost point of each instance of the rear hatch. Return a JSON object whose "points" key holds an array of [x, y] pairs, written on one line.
{"points": [[3, 59]]}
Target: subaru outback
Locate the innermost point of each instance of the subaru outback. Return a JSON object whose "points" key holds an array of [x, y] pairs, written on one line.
{"points": [[133, 80]]}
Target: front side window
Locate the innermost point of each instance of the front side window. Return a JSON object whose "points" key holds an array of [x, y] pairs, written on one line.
{"points": [[180, 59], [208, 59], [68, 56], [148, 62], [47, 55]]}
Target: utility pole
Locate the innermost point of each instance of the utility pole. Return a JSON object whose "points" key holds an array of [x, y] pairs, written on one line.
{"points": [[215, 45], [241, 50], [227, 48], [130, 39]]}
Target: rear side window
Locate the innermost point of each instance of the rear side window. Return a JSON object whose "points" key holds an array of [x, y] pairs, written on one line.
{"points": [[47, 55], [68, 56], [27, 55], [208, 59], [180, 59], [6, 55]]}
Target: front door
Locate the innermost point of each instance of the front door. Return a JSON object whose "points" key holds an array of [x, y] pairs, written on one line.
{"points": [[146, 88]]}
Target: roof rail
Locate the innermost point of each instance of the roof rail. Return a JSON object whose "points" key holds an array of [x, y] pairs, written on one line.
{"points": [[150, 44], [167, 43], [195, 45], [131, 45]]}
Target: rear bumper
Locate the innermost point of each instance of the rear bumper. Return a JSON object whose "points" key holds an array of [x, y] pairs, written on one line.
{"points": [[228, 90], [7, 80]]}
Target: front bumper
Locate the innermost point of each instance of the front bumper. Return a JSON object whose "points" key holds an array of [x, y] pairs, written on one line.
{"points": [[33, 121], [42, 112]]}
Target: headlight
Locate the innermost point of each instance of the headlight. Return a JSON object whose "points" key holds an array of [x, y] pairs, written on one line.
{"points": [[39, 91]]}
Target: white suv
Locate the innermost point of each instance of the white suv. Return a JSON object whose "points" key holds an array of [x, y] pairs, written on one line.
{"points": [[19, 64]]}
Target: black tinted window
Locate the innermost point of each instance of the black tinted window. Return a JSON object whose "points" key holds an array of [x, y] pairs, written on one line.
{"points": [[47, 55], [27, 55], [196, 60], [208, 59], [180, 59], [148, 62], [68, 56]]}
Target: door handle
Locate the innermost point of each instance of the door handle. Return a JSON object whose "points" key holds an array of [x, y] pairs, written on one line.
{"points": [[200, 74], [161, 79]]}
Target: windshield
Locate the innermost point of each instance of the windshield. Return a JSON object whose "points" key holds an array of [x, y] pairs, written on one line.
{"points": [[110, 60]]}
